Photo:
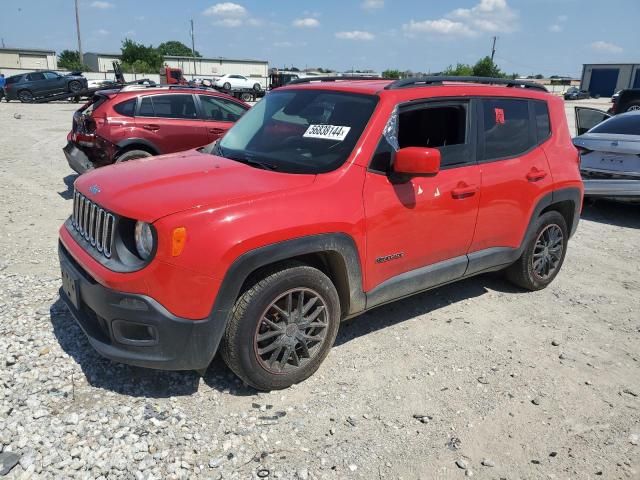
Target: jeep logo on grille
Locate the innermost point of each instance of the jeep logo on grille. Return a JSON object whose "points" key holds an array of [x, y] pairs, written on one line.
{"points": [[94, 189]]}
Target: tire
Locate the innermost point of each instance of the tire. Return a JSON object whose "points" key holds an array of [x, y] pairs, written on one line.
{"points": [[246, 97], [226, 86], [133, 155], [74, 86], [261, 363], [523, 272], [633, 106], [257, 87], [25, 96]]}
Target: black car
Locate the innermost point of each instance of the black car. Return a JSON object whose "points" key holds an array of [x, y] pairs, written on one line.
{"points": [[28, 86], [627, 100], [574, 93]]}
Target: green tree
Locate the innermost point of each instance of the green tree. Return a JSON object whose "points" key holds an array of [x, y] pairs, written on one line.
{"points": [[176, 48], [391, 74], [140, 58], [460, 70], [70, 60], [485, 67]]}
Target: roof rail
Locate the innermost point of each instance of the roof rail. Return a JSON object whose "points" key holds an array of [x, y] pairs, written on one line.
{"points": [[330, 79], [137, 86], [439, 80]]}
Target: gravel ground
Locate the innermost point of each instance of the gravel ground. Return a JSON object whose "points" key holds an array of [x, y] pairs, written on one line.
{"points": [[475, 378]]}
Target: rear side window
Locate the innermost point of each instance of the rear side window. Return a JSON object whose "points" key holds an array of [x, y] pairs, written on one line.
{"points": [[35, 76], [543, 124], [622, 125], [506, 129], [168, 106], [126, 108]]}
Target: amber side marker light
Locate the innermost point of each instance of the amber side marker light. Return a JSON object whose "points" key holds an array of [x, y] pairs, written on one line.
{"points": [[178, 240]]}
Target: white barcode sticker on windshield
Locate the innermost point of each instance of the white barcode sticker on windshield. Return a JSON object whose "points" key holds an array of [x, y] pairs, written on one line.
{"points": [[327, 132]]}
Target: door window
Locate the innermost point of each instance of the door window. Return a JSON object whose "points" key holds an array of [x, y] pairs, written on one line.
{"points": [[506, 131], [444, 126], [219, 109], [168, 106], [36, 76], [51, 76], [587, 118]]}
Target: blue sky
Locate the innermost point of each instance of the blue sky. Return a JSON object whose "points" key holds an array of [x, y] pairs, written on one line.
{"points": [[535, 36]]}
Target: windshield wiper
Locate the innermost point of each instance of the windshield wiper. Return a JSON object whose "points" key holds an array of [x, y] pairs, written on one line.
{"points": [[247, 159]]}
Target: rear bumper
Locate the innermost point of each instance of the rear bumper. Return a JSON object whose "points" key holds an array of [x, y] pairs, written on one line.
{"points": [[77, 159], [135, 329], [612, 188]]}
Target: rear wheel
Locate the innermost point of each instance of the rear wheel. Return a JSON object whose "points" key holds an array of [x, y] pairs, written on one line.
{"points": [[25, 96], [75, 86], [282, 328], [543, 256], [226, 86], [257, 87], [133, 155], [633, 107], [246, 97]]}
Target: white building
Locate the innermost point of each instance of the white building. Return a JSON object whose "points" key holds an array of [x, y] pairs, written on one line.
{"points": [[100, 62], [27, 59], [605, 79], [210, 67]]}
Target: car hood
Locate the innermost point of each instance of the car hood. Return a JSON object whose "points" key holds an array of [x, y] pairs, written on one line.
{"points": [[151, 188]]}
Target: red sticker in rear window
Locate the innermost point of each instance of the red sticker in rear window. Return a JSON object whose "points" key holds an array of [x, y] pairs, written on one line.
{"points": [[499, 116]]}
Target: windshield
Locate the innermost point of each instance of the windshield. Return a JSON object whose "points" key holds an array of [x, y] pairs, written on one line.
{"points": [[299, 131]]}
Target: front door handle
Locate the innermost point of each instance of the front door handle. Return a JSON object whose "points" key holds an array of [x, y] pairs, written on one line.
{"points": [[536, 175], [464, 191], [151, 126]]}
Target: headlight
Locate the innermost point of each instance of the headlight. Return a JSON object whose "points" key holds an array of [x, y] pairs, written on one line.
{"points": [[144, 240]]}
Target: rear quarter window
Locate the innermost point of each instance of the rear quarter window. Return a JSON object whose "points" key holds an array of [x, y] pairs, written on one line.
{"points": [[543, 123], [126, 108], [11, 80]]}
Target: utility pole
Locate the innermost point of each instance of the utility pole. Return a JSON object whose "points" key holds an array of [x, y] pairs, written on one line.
{"points": [[78, 30], [193, 49], [493, 48]]}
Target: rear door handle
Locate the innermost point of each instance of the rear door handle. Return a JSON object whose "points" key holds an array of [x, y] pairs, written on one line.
{"points": [[536, 175], [464, 191], [151, 126], [216, 130]]}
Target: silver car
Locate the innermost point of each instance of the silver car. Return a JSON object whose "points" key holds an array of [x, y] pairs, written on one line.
{"points": [[609, 153]]}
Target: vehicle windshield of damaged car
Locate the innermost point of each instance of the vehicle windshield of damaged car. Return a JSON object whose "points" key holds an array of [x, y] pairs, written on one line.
{"points": [[299, 131]]}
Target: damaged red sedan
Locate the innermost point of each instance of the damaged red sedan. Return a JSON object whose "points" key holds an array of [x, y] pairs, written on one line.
{"points": [[120, 125]]}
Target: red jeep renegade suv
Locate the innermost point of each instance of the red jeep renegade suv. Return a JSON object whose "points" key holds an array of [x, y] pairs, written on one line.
{"points": [[120, 125], [328, 198]]}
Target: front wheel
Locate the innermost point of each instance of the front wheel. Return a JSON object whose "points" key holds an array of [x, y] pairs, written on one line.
{"points": [[226, 86], [543, 256], [257, 87], [282, 328]]}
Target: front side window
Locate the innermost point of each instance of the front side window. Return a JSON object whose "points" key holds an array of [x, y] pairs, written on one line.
{"points": [[299, 131], [51, 76], [443, 126], [220, 109], [506, 130]]}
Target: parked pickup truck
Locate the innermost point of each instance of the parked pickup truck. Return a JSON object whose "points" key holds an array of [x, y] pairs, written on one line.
{"points": [[327, 199]]}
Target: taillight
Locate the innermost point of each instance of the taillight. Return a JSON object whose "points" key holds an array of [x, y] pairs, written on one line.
{"points": [[86, 140]]}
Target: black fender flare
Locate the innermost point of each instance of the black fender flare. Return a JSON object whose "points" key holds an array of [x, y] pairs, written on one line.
{"points": [[247, 263], [138, 141]]}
